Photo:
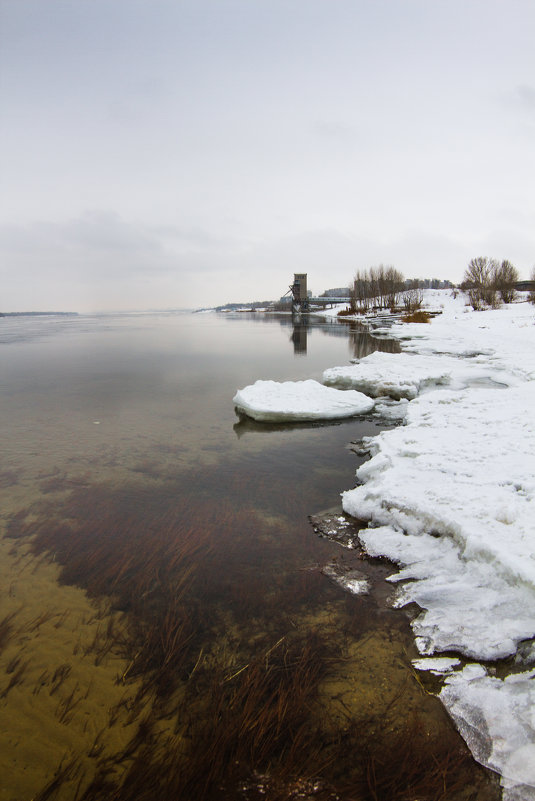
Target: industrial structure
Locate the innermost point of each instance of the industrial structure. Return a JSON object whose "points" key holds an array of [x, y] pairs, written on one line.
{"points": [[299, 292], [302, 299]]}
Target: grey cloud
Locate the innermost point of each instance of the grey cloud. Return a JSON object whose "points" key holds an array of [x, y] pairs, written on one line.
{"points": [[100, 230], [104, 234], [526, 95], [335, 130]]}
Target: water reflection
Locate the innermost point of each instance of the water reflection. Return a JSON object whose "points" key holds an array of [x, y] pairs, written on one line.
{"points": [[363, 343], [299, 337], [246, 425], [360, 341]]}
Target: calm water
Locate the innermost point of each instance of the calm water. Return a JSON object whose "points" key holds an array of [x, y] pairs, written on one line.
{"points": [[216, 635], [78, 393]]}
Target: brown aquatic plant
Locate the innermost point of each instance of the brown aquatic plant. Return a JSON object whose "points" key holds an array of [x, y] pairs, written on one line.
{"points": [[67, 770], [6, 629], [255, 718], [16, 669], [207, 725]]}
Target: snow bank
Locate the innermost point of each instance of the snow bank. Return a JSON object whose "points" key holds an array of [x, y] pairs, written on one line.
{"points": [[270, 401], [450, 497]]}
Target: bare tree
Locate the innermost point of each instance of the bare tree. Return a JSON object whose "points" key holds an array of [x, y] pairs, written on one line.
{"points": [[413, 296], [375, 286], [505, 278], [479, 281], [361, 290], [395, 283]]}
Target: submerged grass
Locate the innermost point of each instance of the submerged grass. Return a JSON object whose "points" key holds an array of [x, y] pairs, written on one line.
{"points": [[232, 654]]}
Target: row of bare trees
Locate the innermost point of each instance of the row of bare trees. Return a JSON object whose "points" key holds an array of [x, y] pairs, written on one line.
{"points": [[377, 287], [487, 281], [384, 287]]}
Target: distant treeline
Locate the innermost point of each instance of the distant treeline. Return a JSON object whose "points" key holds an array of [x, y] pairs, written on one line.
{"points": [[256, 304], [39, 314]]}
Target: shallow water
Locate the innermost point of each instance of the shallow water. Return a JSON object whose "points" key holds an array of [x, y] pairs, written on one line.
{"points": [[137, 505]]}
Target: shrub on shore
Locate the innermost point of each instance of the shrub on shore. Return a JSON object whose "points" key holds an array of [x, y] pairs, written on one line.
{"points": [[416, 317]]}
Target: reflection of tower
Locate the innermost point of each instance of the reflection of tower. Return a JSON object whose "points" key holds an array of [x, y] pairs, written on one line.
{"points": [[299, 292], [299, 338]]}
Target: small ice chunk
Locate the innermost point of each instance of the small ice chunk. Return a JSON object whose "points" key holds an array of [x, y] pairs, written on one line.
{"points": [[437, 665], [271, 401], [355, 586], [391, 409], [353, 581]]}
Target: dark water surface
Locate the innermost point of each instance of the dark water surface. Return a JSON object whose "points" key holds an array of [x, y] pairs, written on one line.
{"points": [[167, 630]]}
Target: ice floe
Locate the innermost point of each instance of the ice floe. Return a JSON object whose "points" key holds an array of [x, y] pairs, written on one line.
{"points": [[496, 718], [299, 400], [353, 581], [438, 665]]}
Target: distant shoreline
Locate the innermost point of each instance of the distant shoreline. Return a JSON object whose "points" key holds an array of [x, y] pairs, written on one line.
{"points": [[39, 314]]}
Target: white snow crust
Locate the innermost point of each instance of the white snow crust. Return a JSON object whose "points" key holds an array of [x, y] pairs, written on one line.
{"points": [[299, 400], [450, 497]]}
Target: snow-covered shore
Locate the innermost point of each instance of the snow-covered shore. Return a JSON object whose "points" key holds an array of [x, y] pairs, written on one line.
{"points": [[450, 497]]}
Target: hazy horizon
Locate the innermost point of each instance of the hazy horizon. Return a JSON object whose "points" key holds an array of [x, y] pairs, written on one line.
{"points": [[181, 154]]}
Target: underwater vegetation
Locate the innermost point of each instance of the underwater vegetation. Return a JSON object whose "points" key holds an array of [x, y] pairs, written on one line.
{"points": [[232, 647]]}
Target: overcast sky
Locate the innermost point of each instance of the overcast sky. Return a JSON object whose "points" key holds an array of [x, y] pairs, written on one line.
{"points": [[179, 153]]}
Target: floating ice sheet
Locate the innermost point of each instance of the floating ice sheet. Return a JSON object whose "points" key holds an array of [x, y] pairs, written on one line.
{"points": [[299, 400], [497, 718]]}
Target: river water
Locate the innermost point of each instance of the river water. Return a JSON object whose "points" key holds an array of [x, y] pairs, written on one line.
{"points": [[168, 627]]}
